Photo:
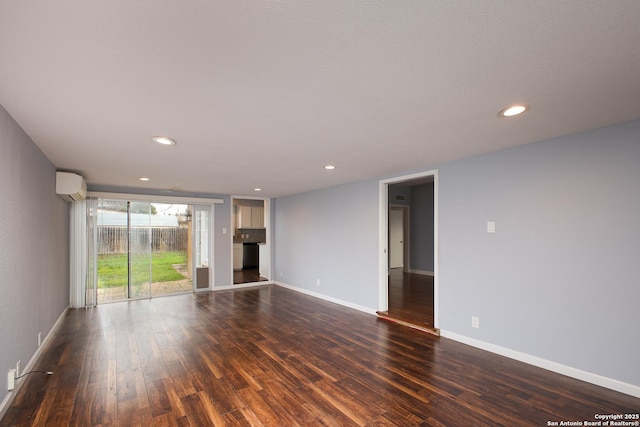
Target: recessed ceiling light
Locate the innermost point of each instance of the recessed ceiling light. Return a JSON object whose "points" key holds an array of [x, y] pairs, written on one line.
{"points": [[163, 140], [329, 167], [144, 178], [513, 110], [257, 189]]}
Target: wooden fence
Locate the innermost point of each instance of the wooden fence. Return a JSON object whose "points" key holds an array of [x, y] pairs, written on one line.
{"points": [[113, 240]]}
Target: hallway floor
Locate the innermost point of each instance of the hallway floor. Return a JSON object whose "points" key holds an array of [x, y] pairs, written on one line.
{"points": [[411, 298]]}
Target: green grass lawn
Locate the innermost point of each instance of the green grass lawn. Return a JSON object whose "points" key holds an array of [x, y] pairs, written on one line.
{"points": [[112, 269]]}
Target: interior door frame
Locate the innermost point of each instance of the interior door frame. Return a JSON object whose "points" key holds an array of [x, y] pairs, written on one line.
{"points": [[383, 240], [267, 226]]}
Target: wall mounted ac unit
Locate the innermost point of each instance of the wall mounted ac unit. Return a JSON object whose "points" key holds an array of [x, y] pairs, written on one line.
{"points": [[70, 186]]}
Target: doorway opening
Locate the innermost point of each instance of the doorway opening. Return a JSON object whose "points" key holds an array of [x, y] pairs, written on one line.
{"points": [[408, 256], [251, 257]]}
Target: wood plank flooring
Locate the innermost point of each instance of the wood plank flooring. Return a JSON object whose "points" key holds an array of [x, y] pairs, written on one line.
{"points": [[410, 300], [274, 357], [247, 276]]}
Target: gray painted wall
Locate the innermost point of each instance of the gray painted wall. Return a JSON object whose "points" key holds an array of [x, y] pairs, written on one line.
{"points": [[558, 280], [421, 228], [331, 235], [223, 243], [34, 247], [400, 190]]}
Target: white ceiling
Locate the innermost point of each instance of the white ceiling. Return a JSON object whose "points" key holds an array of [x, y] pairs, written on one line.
{"points": [[265, 93]]}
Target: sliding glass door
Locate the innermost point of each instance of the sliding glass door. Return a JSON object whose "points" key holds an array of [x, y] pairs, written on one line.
{"points": [[112, 250], [202, 243], [139, 270], [170, 239], [138, 249]]}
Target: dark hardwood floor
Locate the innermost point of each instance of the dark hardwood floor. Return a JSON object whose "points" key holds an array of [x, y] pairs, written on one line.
{"points": [[274, 357], [247, 276], [410, 299]]}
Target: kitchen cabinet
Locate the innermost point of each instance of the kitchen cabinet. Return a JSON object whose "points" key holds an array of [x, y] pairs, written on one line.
{"points": [[244, 216], [257, 216], [237, 256], [250, 217]]}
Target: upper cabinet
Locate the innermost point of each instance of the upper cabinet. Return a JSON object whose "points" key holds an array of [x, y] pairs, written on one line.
{"points": [[250, 217]]}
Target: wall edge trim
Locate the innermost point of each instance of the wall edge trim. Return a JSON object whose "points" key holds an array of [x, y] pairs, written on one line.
{"points": [[599, 380], [328, 298]]}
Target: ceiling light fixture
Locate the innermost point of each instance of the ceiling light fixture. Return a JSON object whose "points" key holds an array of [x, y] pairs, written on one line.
{"points": [[513, 110], [257, 189], [329, 167], [144, 178], [163, 140]]}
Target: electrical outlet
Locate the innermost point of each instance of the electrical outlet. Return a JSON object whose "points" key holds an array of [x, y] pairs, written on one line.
{"points": [[11, 379], [318, 282], [475, 322], [18, 369]]}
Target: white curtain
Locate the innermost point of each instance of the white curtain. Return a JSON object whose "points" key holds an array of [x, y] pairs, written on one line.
{"points": [[83, 260], [78, 255]]}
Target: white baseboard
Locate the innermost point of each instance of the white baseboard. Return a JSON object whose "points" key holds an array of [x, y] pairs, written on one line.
{"points": [[422, 272], [6, 402], [589, 377], [328, 298]]}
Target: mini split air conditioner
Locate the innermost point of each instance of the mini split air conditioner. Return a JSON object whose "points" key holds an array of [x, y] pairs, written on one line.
{"points": [[70, 186]]}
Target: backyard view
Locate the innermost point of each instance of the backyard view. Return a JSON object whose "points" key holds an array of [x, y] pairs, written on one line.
{"points": [[143, 250], [168, 272]]}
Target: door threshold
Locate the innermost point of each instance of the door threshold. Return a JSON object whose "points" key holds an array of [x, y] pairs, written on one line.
{"points": [[385, 316]]}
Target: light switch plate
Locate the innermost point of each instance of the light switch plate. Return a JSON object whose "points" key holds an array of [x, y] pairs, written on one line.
{"points": [[491, 227]]}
